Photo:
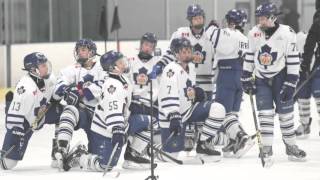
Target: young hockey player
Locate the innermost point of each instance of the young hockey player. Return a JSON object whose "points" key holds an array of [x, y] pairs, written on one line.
{"points": [[29, 109], [80, 86], [274, 60]]}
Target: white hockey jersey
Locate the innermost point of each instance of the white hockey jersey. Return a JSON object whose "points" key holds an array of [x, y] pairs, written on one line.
{"points": [[113, 107], [201, 46], [28, 101], [139, 75], [229, 45], [75, 74], [174, 84], [269, 56]]}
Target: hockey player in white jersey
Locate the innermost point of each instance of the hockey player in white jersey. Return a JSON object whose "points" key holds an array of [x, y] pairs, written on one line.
{"points": [[181, 102], [202, 49], [230, 45], [274, 59], [303, 96], [110, 118], [29, 109], [141, 67], [201, 57], [80, 86]]}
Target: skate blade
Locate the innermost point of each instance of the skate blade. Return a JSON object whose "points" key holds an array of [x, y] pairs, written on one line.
{"points": [[135, 166], [209, 159], [295, 159], [245, 149]]}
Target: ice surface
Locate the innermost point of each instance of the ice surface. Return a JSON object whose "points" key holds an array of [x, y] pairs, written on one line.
{"points": [[36, 163]]}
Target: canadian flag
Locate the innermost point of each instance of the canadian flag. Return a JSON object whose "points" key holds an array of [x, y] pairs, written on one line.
{"points": [[257, 34]]}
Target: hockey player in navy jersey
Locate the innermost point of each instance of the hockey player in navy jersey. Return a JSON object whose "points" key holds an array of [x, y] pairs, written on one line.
{"points": [[110, 120], [29, 109], [141, 67], [80, 86], [274, 59], [230, 45], [310, 62], [182, 102]]}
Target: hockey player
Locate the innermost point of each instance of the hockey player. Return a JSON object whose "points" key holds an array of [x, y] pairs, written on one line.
{"points": [[141, 68], [109, 120], [202, 50], [304, 95], [201, 57], [230, 45], [168, 57], [30, 108], [274, 59], [312, 42], [181, 102], [80, 86]]}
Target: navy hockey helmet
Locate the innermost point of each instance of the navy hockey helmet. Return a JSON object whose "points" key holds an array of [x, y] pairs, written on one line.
{"points": [[183, 43], [194, 10], [267, 9], [244, 17], [109, 59], [234, 16], [174, 45], [149, 37], [31, 64], [88, 43]]}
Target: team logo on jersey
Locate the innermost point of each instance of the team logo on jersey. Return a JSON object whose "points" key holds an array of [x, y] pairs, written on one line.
{"points": [[21, 90], [141, 78], [170, 73], [198, 56], [189, 92], [266, 57], [111, 89]]}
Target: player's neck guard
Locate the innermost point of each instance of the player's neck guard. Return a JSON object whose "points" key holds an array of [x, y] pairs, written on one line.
{"points": [[145, 57], [118, 77], [197, 35], [269, 31], [39, 82]]}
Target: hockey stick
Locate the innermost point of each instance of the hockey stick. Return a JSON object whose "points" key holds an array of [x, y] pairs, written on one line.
{"points": [[313, 73], [180, 162], [108, 167], [258, 134]]}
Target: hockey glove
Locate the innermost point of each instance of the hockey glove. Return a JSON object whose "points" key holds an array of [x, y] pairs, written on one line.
{"points": [[248, 84], [175, 123], [288, 88], [118, 136], [200, 94], [72, 96]]}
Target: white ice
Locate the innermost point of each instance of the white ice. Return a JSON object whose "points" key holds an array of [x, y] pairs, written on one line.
{"points": [[36, 163]]}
